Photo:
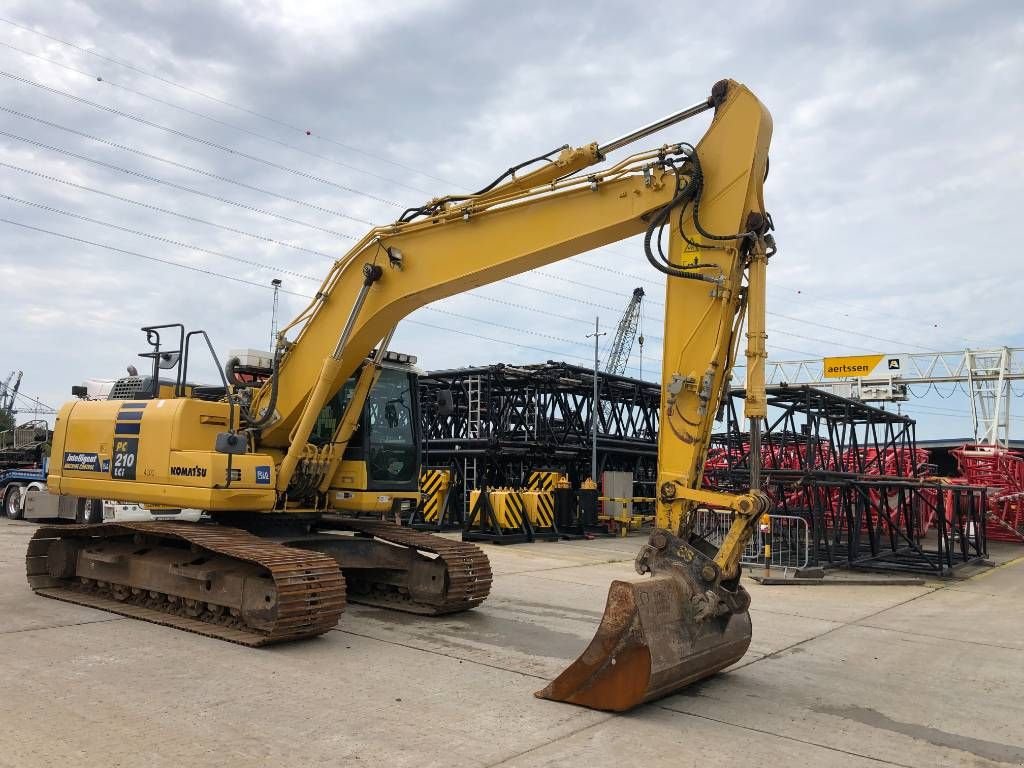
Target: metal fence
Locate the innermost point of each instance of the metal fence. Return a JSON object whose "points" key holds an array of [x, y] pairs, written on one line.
{"points": [[784, 541]]}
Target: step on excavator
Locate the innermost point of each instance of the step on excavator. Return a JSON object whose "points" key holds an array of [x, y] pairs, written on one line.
{"points": [[269, 464]]}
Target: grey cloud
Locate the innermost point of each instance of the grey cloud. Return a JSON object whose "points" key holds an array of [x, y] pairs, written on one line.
{"points": [[896, 161]]}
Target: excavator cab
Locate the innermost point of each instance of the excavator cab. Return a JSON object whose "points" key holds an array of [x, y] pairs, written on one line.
{"points": [[380, 466]]}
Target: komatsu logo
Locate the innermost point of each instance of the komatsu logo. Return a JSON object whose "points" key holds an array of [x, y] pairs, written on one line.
{"points": [[195, 471]]}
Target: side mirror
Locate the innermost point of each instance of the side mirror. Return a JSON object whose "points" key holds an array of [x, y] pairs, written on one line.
{"points": [[231, 443], [80, 391], [445, 402]]}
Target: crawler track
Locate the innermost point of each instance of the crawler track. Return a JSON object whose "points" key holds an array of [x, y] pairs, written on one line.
{"points": [[468, 569], [308, 587]]}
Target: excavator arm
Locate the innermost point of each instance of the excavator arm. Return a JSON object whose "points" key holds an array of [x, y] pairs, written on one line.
{"points": [[701, 213], [456, 244], [690, 619]]}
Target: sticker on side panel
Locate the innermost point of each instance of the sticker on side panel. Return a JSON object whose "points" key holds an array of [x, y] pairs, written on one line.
{"points": [[126, 454], [263, 475], [81, 461]]}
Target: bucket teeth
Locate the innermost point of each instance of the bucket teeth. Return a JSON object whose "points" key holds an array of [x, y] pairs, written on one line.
{"points": [[658, 635]]}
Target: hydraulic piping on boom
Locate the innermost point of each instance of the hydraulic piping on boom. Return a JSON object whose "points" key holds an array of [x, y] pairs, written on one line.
{"points": [[268, 465]]}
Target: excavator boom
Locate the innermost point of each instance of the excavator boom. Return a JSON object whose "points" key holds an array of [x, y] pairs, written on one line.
{"points": [[701, 213]]}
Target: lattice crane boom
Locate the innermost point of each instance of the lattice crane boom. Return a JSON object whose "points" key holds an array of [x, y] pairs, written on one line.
{"points": [[625, 335], [9, 392]]}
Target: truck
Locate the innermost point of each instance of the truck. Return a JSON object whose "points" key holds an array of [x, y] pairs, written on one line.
{"points": [[24, 453]]}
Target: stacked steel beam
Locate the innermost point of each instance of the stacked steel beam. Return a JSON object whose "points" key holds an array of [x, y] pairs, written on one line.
{"points": [[496, 424], [854, 474]]}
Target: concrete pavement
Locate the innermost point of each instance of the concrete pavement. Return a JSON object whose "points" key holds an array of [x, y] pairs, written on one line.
{"points": [[845, 675]]}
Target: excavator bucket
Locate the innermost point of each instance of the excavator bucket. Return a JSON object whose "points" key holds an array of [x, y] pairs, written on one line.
{"points": [[661, 634]]}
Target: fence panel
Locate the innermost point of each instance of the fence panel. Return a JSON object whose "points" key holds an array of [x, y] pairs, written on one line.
{"points": [[785, 542]]}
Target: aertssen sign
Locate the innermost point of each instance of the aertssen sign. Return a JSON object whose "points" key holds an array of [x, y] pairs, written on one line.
{"points": [[861, 366]]}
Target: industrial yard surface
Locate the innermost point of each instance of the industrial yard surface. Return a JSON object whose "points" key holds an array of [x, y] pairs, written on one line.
{"points": [[837, 675]]}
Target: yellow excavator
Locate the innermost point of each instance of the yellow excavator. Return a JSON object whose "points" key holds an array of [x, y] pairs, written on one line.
{"points": [[283, 552]]}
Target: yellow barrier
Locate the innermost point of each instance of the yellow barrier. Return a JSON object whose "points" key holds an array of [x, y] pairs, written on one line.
{"points": [[434, 485]]}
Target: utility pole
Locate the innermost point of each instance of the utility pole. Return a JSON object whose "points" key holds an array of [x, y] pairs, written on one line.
{"points": [[594, 410], [640, 341], [276, 282]]}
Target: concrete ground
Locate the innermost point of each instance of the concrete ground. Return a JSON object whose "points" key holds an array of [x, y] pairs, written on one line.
{"points": [[841, 675]]}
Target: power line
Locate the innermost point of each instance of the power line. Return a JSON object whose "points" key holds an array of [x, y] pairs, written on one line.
{"points": [[233, 126], [948, 411], [269, 118], [295, 221], [237, 279], [503, 342], [199, 140], [844, 330], [120, 63], [271, 268], [167, 211], [771, 314], [613, 309], [158, 238], [220, 254], [126, 252], [819, 341], [243, 205], [569, 318], [256, 264], [588, 286], [304, 131], [181, 187], [561, 339], [771, 331], [825, 301], [501, 325], [247, 262], [183, 166], [830, 303], [34, 401]]}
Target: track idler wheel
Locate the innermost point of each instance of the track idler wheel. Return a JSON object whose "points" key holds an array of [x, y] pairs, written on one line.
{"points": [[661, 634]]}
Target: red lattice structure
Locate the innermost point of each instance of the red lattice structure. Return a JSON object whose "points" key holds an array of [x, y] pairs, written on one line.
{"points": [[853, 475], [865, 461], [1002, 470], [721, 459]]}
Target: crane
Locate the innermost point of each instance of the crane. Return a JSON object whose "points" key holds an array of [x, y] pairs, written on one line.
{"points": [[625, 335], [618, 355], [8, 395], [270, 465]]}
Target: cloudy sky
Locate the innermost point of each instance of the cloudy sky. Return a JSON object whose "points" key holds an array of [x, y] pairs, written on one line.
{"points": [[163, 162]]}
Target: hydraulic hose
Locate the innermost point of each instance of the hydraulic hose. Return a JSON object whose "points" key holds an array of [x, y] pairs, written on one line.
{"points": [[268, 414]]}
